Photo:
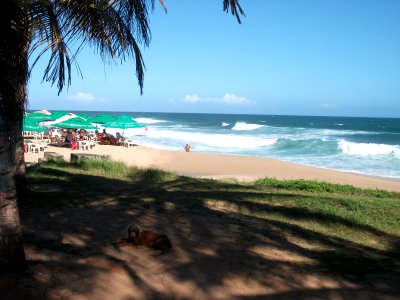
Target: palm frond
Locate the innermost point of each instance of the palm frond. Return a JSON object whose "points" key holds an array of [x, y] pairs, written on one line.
{"points": [[48, 32], [236, 9], [114, 28], [163, 5]]}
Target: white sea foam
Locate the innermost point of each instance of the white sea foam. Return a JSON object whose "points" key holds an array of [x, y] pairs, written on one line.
{"points": [[366, 149], [327, 132], [246, 126], [209, 141], [225, 124], [299, 133], [310, 134], [149, 120], [305, 134]]}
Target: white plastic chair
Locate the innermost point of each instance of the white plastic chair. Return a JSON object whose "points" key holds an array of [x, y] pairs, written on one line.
{"points": [[128, 143], [83, 145]]}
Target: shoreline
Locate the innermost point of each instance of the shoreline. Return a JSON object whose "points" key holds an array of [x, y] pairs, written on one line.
{"points": [[223, 166]]}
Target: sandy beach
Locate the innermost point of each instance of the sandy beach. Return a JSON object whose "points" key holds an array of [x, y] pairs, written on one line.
{"points": [[243, 168]]}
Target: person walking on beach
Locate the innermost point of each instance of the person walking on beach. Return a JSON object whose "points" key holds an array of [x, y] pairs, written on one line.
{"points": [[187, 148]]}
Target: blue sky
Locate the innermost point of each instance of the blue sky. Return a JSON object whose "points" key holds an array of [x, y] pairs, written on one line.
{"points": [[309, 57]]}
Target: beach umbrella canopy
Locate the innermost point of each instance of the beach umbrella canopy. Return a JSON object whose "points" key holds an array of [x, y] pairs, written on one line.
{"points": [[31, 125], [43, 111], [38, 116], [59, 119], [101, 119], [75, 123], [56, 115], [123, 122], [59, 113], [85, 116]]}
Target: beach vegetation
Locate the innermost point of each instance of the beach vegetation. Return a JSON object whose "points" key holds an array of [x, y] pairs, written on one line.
{"points": [[320, 186], [340, 229], [110, 168], [30, 29]]}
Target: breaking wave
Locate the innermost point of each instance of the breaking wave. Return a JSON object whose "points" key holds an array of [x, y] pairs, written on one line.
{"points": [[369, 149], [246, 126], [149, 120]]}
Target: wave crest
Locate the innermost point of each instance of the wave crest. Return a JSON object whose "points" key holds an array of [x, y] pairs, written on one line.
{"points": [[149, 120], [208, 141], [246, 126], [366, 149]]}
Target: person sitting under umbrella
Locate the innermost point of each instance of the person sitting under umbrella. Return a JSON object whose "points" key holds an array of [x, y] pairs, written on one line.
{"points": [[70, 138], [82, 134]]}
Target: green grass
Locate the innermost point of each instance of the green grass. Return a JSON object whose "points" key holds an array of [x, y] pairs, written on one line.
{"points": [[315, 186], [345, 226], [109, 168]]}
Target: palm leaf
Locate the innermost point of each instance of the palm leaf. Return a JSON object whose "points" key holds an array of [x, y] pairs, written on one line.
{"points": [[114, 28], [48, 35], [236, 9]]}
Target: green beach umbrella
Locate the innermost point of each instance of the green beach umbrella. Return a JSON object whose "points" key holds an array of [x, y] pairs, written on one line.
{"points": [[101, 119], [31, 125], [85, 116], [38, 116], [123, 122], [75, 123], [57, 114], [40, 113]]}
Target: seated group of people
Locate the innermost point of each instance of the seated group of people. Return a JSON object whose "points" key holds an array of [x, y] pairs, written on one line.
{"points": [[69, 137], [72, 136], [108, 139]]}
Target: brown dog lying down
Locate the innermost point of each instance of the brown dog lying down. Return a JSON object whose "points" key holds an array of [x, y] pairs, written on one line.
{"points": [[137, 236]]}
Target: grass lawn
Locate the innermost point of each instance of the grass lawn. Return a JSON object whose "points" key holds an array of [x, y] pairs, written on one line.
{"points": [[344, 230]]}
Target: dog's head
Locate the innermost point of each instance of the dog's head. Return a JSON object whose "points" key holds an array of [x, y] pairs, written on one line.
{"points": [[134, 232]]}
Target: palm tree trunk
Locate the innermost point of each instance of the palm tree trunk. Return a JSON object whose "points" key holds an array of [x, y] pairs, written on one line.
{"points": [[14, 44]]}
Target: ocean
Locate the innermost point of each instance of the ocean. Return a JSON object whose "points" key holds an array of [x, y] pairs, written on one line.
{"points": [[369, 146]]}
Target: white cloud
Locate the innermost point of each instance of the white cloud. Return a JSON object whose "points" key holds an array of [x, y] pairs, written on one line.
{"points": [[327, 105], [192, 98], [233, 99], [229, 99], [82, 97]]}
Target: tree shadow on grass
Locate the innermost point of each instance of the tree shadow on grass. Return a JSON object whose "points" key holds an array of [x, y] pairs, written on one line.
{"points": [[70, 221]]}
